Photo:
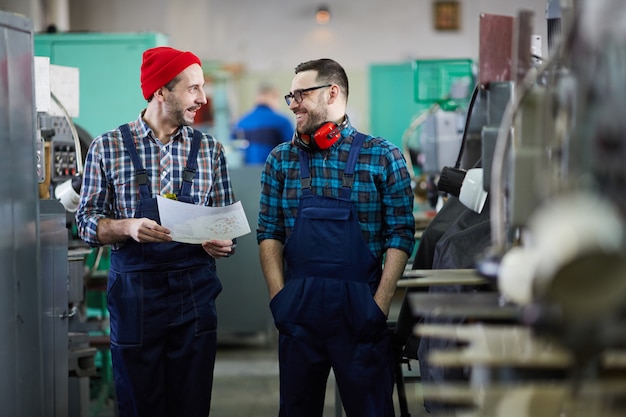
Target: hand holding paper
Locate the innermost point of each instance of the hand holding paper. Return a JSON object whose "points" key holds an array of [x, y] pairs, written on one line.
{"points": [[190, 223]]}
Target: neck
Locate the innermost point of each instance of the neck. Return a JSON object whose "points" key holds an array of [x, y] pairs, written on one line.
{"points": [[162, 129], [336, 114], [339, 120]]}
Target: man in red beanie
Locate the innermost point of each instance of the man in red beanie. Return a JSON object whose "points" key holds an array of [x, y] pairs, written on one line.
{"points": [[161, 294]]}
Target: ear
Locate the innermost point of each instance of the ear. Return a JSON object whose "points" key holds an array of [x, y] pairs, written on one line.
{"points": [[159, 94], [334, 93]]}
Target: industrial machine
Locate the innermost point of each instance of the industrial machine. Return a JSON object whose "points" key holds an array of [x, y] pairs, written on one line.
{"points": [[553, 160], [437, 132], [45, 365], [37, 287], [563, 214], [59, 174]]}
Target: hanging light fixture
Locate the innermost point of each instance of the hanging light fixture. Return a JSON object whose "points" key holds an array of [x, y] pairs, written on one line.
{"points": [[322, 15]]}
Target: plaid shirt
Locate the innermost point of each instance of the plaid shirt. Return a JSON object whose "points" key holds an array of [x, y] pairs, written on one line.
{"points": [[110, 189], [381, 191]]}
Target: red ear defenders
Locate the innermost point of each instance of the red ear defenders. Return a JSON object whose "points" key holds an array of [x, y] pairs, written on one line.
{"points": [[324, 136]]}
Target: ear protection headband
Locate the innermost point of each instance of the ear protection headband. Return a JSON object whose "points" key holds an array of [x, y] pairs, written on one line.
{"points": [[325, 136]]}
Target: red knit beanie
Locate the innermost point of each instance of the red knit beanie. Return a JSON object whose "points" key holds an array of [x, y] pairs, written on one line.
{"points": [[160, 65]]}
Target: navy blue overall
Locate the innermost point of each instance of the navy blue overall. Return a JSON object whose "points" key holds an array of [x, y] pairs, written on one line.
{"points": [[161, 299], [326, 313]]}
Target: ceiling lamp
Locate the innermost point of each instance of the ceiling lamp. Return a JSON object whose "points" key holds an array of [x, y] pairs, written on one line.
{"points": [[322, 15]]}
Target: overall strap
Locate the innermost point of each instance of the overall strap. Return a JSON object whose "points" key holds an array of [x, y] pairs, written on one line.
{"points": [[192, 165], [348, 173], [140, 173], [305, 174]]}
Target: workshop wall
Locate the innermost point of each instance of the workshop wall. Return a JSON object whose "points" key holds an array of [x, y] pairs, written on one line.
{"points": [[274, 35], [266, 39]]}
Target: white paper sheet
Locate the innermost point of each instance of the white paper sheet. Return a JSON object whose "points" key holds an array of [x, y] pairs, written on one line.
{"points": [[190, 223]]}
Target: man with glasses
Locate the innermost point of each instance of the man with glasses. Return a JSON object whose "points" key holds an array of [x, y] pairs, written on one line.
{"points": [[334, 203]]}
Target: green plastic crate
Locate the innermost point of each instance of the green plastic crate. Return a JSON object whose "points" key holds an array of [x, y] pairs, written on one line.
{"points": [[434, 78]]}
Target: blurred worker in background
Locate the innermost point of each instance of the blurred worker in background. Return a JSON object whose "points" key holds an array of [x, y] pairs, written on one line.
{"points": [[161, 294], [334, 202], [263, 127]]}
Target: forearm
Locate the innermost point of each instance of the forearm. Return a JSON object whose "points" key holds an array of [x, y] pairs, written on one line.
{"points": [[271, 257], [395, 263], [113, 231], [141, 230]]}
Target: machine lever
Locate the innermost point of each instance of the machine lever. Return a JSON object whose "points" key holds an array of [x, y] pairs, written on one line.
{"points": [[67, 315]]}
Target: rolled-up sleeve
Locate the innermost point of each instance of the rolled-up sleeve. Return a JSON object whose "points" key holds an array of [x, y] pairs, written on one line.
{"points": [[398, 219], [271, 220], [94, 196]]}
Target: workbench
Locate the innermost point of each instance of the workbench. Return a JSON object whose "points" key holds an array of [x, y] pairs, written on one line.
{"points": [[412, 278], [513, 372]]}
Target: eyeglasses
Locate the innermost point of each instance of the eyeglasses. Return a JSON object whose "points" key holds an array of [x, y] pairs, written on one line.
{"points": [[298, 94]]}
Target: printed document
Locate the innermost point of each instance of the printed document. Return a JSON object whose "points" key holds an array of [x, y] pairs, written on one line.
{"points": [[191, 223]]}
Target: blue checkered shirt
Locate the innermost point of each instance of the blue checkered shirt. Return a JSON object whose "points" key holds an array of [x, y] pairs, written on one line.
{"points": [[382, 191]]}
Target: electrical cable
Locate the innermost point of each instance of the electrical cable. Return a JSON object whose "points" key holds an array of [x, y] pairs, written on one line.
{"points": [[66, 115], [470, 108], [415, 123]]}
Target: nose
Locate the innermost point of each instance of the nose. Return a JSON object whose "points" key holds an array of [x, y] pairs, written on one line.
{"points": [[294, 104], [202, 97]]}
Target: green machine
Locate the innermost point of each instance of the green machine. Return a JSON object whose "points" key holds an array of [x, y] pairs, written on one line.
{"points": [[109, 65], [392, 103], [400, 92]]}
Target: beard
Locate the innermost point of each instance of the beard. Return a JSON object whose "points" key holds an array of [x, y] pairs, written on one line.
{"points": [[176, 111], [316, 117]]}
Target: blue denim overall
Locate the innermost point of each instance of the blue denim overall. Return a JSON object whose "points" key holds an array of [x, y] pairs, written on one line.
{"points": [[326, 313], [161, 299]]}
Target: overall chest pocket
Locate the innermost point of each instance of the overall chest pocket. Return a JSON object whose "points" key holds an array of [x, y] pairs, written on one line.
{"points": [[326, 234]]}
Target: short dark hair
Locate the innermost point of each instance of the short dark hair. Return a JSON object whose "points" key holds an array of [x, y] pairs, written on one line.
{"points": [[170, 85], [328, 71]]}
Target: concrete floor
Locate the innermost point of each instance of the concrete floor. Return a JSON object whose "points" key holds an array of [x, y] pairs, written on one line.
{"points": [[246, 384]]}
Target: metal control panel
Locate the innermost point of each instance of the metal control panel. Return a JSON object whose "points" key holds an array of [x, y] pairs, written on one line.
{"points": [[40, 160], [56, 150], [62, 160]]}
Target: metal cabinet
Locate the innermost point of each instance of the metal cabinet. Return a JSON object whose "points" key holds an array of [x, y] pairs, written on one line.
{"points": [[21, 376], [54, 301]]}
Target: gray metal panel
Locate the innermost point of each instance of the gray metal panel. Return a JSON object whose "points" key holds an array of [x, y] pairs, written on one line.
{"points": [[21, 386], [53, 238], [498, 96], [243, 305]]}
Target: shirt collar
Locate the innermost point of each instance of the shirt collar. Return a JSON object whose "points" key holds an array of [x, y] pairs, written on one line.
{"points": [[346, 132], [146, 131]]}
